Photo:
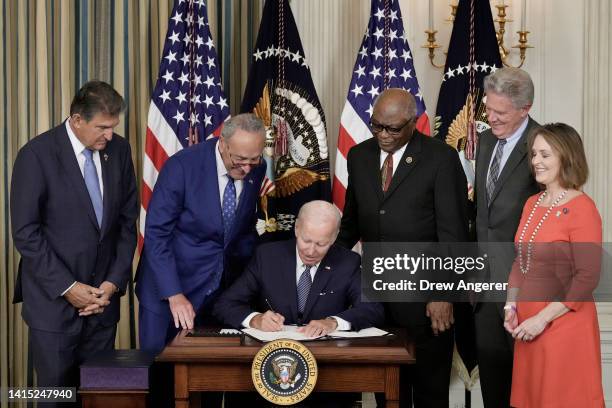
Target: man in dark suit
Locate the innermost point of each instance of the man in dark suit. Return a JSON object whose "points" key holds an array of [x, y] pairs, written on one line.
{"points": [[73, 212], [307, 280], [406, 187], [503, 184], [200, 229]]}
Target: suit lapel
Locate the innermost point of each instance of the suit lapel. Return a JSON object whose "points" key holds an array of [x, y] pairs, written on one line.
{"points": [[520, 150], [321, 279], [372, 167], [109, 188], [288, 272], [70, 164], [208, 191], [409, 161], [485, 146]]}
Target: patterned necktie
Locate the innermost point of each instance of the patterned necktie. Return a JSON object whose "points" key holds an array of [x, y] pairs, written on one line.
{"points": [[387, 172], [229, 206], [93, 184], [494, 170], [303, 288]]}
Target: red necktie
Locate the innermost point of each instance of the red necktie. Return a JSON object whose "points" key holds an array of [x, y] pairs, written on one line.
{"points": [[387, 172]]}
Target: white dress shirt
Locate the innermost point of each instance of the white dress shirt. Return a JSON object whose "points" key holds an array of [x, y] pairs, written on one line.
{"points": [[511, 143], [223, 180], [397, 156], [78, 148], [299, 269]]}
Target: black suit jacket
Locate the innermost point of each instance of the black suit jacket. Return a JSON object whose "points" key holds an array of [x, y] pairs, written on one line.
{"points": [[55, 229], [426, 201], [271, 278]]}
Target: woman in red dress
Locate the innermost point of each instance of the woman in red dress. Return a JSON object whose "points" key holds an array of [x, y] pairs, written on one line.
{"points": [[550, 310]]}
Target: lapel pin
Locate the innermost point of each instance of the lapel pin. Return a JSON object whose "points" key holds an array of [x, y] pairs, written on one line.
{"points": [[558, 213], [251, 181], [327, 267], [105, 157], [409, 159], [565, 210]]}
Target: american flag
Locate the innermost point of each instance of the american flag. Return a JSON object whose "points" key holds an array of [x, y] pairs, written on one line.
{"points": [[188, 99], [384, 61]]}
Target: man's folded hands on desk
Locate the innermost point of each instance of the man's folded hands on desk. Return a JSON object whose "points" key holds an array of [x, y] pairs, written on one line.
{"points": [[272, 321]]}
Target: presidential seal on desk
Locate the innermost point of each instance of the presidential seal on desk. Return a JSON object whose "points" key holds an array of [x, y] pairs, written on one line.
{"points": [[284, 372]]}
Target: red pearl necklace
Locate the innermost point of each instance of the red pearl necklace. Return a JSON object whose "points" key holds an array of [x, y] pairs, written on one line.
{"points": [[525, 268]]}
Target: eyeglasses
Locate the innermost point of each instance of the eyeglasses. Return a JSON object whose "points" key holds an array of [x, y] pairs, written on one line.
{"points": [[239, 161], [393, 131]]}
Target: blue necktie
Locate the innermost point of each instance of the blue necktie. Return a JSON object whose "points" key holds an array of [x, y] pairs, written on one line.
{"points": [[303, 288], [229, 206], [93, 184]]}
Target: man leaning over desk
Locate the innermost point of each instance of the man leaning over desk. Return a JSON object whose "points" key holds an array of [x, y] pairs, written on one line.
{"points": [[306, 280]]}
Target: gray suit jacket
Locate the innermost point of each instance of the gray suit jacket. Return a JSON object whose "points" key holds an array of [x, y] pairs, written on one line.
{"points": [[497, 221]]}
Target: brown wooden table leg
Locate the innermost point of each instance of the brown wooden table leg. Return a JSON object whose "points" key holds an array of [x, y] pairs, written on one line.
{"points": [[392, 385], [181, 389]]}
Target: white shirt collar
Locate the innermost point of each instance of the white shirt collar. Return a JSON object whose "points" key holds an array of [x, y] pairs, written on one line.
{"points": [[77, 146], [300, 265], [518, 133], [221, 170]]}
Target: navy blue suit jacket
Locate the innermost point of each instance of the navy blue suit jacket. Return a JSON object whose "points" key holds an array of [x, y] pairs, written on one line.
{"points": [[271, 276], [185, 250], [56, 232]]}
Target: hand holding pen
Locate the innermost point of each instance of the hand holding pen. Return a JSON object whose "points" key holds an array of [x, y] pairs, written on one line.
{"points": [[268, 321]]}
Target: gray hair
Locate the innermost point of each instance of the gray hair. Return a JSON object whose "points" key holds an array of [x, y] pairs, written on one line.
{"points": [[244, 121], [320, 211], [513, 83]]}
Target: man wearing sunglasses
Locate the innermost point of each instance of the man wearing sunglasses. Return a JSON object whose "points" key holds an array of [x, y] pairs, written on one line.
{"points": [[200, 229], [406, 187]]}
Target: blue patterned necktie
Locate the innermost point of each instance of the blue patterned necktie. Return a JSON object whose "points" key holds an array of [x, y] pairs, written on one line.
{"points": [[229, 206], [93, 184], [494, 170], [303, 288]]}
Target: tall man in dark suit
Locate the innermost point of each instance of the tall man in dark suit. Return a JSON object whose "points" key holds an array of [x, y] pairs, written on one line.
{"points": [[503, 184], [306, 280], [200, 229], [406, 187], [73, 213]]}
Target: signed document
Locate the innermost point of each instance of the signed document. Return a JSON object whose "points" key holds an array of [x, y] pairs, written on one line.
{"points": [[290, 332]]}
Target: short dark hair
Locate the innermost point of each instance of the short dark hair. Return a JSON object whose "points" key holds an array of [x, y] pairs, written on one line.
{"points": [[566, 142], [97, 97]]}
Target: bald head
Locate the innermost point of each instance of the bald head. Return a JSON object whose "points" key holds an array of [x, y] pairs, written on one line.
{"points": [[319, 212], [316, 230], [393, 119], [397, 99]]}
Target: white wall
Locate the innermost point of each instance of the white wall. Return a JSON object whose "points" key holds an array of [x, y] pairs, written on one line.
{"points": [[332, 30]]}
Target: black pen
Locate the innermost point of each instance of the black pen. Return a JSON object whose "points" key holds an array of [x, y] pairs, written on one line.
{"points": [[270, 306]]}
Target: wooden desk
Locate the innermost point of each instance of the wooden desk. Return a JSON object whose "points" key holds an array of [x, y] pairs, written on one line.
{"points": [[358, 365]]}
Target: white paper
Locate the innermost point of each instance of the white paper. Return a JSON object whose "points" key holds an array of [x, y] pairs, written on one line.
{"points": [[369, 332], [290, 332]]}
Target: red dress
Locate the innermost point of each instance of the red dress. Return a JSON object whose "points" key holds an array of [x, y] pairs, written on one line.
{"points": [[562, 366]]}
